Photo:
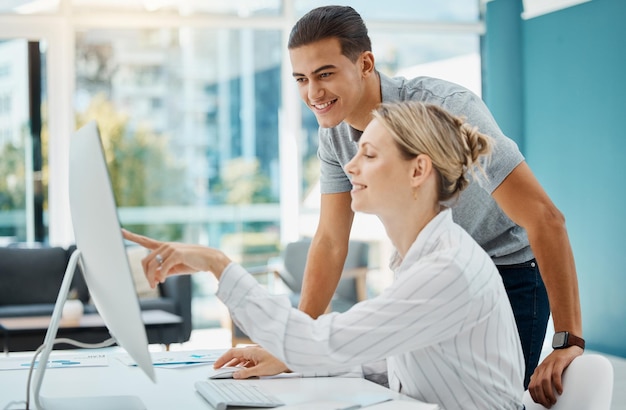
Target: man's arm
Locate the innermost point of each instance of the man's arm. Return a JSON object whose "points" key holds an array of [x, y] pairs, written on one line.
{"points": [[523, 199], [327, 253]]}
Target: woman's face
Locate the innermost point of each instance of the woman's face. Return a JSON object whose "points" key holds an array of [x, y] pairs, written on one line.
{"points": [[381, 177]]}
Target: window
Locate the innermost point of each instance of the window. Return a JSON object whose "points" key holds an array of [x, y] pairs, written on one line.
{"points": [[441, 11], [22, 193], [193, 122], [205, 137]]}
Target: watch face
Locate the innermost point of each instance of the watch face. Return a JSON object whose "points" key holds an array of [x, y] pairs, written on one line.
{"points": [[559, 340]]}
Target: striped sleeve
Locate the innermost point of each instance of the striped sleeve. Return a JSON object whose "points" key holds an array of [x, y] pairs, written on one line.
{"points": [[417, 311]]}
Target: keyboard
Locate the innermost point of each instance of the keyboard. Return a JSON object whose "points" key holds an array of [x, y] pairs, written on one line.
{"points": [[222, 394]]}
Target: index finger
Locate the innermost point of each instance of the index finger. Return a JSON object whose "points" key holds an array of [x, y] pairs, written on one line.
{"points": [[234, 353], [140, 239]]}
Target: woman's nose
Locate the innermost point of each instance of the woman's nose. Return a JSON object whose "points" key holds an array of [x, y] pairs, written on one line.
{"points": [[350, 167]]}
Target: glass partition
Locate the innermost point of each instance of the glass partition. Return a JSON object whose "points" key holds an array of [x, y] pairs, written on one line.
{"points": [[190, 118], [205, 135], [23, 177]]}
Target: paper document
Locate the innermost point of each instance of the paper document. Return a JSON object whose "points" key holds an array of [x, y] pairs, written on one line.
{"points": [[178, 359], [57, 361]]}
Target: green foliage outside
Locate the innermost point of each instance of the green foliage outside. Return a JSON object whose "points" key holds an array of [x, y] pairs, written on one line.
{"points": [[242, 184], [143, 170], [12, 188], [12, 176]]}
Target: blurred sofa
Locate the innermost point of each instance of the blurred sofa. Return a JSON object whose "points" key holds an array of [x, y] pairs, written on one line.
{"points": [[30, 279]]}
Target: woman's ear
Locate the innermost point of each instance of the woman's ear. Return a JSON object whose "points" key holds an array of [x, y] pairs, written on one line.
{"points": [[422, 169]]}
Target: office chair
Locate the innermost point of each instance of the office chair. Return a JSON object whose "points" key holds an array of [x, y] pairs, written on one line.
{"points": [[351, 288], [587, 385], [290, 271]]}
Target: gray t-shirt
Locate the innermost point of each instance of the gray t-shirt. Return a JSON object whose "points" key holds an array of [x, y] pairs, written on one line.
{"points": [[475, 210]]}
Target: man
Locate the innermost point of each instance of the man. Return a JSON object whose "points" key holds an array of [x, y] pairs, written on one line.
{"points": [[512, 218]]}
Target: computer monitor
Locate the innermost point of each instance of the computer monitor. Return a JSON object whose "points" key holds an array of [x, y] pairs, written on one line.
{"points": [[100, 248]]}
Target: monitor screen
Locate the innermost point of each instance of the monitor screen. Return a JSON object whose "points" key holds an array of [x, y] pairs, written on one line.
{"points": [[102, 252]]}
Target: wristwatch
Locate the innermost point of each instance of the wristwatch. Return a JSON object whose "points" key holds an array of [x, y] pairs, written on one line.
{"points": [[562, 340]]}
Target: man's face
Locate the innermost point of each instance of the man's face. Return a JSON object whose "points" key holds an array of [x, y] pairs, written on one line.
{"points": [[329, 83]]}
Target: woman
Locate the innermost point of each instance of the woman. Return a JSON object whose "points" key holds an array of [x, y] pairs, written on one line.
{"points": [[445, 325]]}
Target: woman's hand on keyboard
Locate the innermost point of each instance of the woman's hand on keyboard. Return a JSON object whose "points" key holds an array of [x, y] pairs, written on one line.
{"points": [[255, 360]]}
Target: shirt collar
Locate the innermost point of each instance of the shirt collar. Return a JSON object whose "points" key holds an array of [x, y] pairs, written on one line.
{"points": [[390, 88]]}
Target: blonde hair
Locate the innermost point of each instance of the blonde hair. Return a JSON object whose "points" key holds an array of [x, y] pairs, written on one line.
{"points": [[453, 145]]}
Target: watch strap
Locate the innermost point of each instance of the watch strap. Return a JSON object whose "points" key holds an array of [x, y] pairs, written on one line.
{"points": [[573, 340]]}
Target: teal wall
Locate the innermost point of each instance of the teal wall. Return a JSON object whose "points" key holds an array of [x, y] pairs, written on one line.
{"points": [[573, 133], [502, 67]]}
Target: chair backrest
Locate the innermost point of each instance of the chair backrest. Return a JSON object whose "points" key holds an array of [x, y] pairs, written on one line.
{"points": [[294, 262], [587, 385], [358, 257], [31, 275]]}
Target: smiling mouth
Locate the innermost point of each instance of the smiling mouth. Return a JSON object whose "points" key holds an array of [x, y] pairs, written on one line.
{"points": [[358, 187], [324, 105]]}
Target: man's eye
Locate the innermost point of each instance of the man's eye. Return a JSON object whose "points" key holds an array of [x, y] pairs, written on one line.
{"points": [[325, 75]]}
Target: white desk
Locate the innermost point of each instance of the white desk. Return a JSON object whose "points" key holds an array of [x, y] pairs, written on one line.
{"points": [[174, 387]]}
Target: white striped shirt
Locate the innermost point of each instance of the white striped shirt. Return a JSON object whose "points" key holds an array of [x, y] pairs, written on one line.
{"points": [[445, 325]]}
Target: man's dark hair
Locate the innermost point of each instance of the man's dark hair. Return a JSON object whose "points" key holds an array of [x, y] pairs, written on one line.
{"points": [[340, 22]]}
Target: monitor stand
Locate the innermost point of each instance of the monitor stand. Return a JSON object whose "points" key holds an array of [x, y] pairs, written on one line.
{"points": [[72, 403]]}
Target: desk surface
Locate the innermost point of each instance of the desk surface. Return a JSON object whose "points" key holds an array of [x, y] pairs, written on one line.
{"points": [[174, 388]]}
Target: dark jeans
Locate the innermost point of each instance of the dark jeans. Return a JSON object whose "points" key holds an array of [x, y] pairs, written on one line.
{"points": [[531, 309]]}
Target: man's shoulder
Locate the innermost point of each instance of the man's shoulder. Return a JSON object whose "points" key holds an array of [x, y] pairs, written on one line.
{"points": [[429, 90]]}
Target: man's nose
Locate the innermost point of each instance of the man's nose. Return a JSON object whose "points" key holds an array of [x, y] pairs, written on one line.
{"points": [[315, 91]]}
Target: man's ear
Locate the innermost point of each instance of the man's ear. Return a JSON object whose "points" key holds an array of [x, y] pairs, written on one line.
{"points": [[367, 63], [422, 168]]}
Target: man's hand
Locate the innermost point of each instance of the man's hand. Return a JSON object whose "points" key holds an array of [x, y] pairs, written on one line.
{"points": [[546, 381], [255, 360]]}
